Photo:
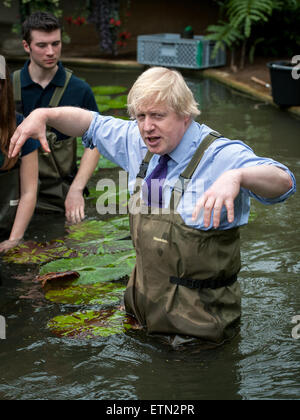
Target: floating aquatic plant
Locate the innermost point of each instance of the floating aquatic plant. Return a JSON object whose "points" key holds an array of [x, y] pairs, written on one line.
{"points": [[39, 253], [81, 240], [57, 278], [92, 324], [108, 90], [98, 294], [95, 269]]}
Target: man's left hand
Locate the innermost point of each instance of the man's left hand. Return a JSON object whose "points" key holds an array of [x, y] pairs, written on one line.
{"points": [[222, 193]]}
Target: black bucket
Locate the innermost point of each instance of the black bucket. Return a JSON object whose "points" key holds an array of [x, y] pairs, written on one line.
{"points": [[285, 87]]}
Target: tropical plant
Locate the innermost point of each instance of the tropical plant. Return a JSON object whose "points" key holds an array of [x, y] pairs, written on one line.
{"points": [[238, 19], [109, 18]]}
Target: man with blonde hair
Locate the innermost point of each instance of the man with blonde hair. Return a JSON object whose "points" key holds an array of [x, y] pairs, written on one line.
{"points": [[185, 278]]}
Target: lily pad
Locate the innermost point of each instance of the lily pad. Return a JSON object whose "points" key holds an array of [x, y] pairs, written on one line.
{"points": [[99, 294], [57, 278], [102, 99], [103, 107], [92, 324], [95, 268], [87, 236], [118, 103], [108, 90], [103, 163], [113, 247], [39, 253]]}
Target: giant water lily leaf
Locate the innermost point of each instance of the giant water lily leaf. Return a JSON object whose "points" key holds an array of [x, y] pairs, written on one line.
{"points": [[98, 294], [113, 247], [39, 253], [57, 278], [102, 99], [92, 324], [108, 90], [103, 163], [106, 102], [83, 239], [95, 268], [87, 236], [119, 102]]}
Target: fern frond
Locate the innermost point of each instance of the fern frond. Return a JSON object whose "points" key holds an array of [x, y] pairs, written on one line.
{"points": [[245, 13], [223, 34]]}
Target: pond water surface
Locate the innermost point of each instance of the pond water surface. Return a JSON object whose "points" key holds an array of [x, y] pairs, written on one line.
{"points": [[261, 362]]}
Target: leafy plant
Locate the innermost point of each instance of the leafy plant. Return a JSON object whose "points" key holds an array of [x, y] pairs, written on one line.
{"points": [[98, 294], [92, 324], [109, 18], [95, 269], [239, 19]]}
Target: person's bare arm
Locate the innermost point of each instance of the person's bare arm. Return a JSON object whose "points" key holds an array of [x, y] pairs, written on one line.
{"points": [[29, 183], [74, 203], [71, 121], [267, 181]]}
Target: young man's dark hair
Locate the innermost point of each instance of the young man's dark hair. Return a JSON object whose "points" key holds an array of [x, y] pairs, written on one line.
{"points": [[40, 21]]}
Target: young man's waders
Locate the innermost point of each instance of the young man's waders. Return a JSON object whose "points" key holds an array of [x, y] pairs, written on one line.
{"points": [[58, 168]]}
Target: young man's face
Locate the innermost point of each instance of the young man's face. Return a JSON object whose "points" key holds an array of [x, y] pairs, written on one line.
{"points": [[161, 128], [45, 48]]}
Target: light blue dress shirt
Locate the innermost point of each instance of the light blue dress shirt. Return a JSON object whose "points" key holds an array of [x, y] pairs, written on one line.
{"points": [[120, 141]]}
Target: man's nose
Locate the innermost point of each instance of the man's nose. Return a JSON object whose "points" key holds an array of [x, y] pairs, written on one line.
{"points": [[50, 50], [148, 124]]}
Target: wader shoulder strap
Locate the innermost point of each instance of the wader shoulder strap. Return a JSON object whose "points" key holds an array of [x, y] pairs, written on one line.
{"points": [[144, 166], [57, 95], [143, 171], [184, 179], [17, 90], [59, 91]]}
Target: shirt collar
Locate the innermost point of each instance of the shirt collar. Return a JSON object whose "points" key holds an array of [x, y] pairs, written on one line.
{"points": [[58, 80], [187, 144]]}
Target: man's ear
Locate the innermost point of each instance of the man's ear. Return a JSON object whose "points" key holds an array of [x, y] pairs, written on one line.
{"points": [[26, 46]]}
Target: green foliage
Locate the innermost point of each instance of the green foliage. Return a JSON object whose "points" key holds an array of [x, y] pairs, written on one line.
{"points": [[91, 324], [243, 14], [239, 17], [99, 294], [95, 269], [108, 90], [224, 33]]}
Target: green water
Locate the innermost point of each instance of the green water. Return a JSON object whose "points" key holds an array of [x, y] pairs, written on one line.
{"points": [[261, 362]]}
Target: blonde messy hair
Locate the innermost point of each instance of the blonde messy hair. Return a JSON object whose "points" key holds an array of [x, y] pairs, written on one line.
{"points": [[161, 85]]}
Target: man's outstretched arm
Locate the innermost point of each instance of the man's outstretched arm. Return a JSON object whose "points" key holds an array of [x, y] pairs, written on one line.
{"points": [[71, 121]]}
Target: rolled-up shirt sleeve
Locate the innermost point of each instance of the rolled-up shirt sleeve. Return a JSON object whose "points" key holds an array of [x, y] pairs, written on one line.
{"points": [[236, 154], [112, 136]]}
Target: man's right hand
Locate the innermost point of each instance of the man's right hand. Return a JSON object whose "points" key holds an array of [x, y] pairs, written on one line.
{"points": [[74, 205], [33, 126]]}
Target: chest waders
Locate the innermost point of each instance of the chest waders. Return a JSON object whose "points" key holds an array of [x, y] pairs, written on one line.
{"points": [[58, 168], [184, 282], [10, 196]]}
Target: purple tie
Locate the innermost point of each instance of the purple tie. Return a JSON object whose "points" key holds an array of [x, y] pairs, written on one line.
{"points": [[155, 183]]}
